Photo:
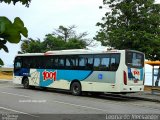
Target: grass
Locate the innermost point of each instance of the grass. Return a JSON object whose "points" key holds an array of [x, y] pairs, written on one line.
{"points": [[8, 75]]}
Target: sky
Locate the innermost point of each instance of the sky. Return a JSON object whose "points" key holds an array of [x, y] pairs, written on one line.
{"points": [[43, 16]]}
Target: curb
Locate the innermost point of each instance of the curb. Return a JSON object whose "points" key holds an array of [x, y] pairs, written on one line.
{"points": [[6, 80], [135, 97], [144, 99]]}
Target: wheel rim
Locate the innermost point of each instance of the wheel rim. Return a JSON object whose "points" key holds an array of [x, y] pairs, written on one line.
{"points": [[26, 84], [75, 89]]}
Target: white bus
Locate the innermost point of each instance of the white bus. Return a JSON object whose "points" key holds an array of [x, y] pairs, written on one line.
{"points": [[78, 70]]}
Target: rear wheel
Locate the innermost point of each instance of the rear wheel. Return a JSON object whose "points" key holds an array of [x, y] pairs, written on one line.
{"points": [[26, 83], [76, 88]]}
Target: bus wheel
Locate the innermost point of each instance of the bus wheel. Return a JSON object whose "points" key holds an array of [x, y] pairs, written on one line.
{"points": [[26, 83], [76, 88]]}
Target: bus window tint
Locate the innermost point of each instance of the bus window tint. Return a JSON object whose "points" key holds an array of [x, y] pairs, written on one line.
{"points": [[89, 62], [134, 59], [55, 62], [18, 63], [47, 62], [96, 63], [60, 61], [107, 62], [104, 64], [101, 62], [71, 62], [115, 59], [82, 62], [26, 62]]}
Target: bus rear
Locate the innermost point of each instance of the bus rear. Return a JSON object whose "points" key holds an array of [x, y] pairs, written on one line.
{"points": [[133, 72]]}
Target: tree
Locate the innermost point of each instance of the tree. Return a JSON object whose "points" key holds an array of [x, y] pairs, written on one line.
{"points": [[75, 44], [55, 42], [67, 33], [24, 2], [31, 46], [11, 32], [132, 24], [52, 43]]}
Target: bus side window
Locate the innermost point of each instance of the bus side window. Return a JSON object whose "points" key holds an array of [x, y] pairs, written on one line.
{"points": [[18, 64], [61, 62], [104, 64], [82, 63], [47, 62], [26, 62], [96, 63], [55, 62], [114, 62], [71, 62], [89, 64], [101, 62]]}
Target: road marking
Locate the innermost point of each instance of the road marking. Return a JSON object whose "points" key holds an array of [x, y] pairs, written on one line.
{"points": [[18, 111], [15, 94], [79, 105], [4, 86]]}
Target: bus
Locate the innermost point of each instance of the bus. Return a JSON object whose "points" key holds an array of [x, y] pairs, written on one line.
{"points": [[82, 70]]}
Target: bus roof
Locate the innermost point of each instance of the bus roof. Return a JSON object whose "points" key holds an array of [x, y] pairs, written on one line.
{"points": [[70, 52]]}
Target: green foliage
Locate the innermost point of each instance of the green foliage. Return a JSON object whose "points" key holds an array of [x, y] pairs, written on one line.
{"points": [[66, 33], [30, 45], [24, 2], [53, 42], [11, 32], [1, 62], [132, 24], [75, 44]]}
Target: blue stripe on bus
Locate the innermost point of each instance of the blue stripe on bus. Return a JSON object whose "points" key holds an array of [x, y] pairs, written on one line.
{"points": [[141, 74], [22, 72], [48, 76], [72, 74]]}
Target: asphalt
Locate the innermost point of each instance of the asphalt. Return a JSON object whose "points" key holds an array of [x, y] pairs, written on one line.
{"points": [[36, 104], [145, 95]]}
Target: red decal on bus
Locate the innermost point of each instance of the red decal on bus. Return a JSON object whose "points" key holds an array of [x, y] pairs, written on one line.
{"points": [[136, 73], [49, 75]]}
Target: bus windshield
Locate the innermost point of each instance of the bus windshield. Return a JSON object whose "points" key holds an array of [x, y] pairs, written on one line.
{"points": [[134, 59]]}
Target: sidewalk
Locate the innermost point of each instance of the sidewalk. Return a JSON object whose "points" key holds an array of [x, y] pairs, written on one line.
{"points": [[145, 95]]}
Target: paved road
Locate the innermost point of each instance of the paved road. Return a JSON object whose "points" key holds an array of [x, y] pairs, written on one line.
{"points": [[32, 103]]}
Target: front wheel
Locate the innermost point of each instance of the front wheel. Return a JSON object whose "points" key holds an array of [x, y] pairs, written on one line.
{"points": [[26, 83], [76, 88]]}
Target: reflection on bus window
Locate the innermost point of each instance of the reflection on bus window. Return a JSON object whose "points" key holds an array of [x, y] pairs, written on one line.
{"points": [[107, 62], [134, 59], [18, 65]]}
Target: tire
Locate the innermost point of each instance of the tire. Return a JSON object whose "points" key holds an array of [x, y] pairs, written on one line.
{"points": [[26, 83], [76, 89]]}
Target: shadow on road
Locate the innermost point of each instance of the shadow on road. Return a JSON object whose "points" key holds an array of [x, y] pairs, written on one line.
{"points": [[107, 96]]}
